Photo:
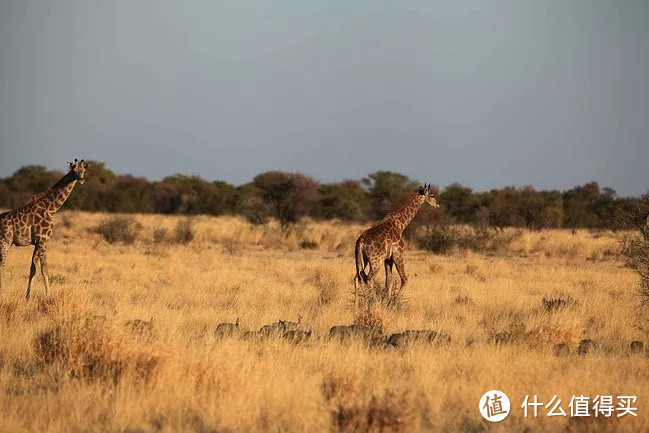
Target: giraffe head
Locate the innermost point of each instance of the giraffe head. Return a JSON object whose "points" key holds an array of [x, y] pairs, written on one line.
{"points": [[428, 195], [79, 167]]}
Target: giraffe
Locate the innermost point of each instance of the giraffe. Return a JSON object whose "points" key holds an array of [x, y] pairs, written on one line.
{"points": [[32, 224], [384, 243]]}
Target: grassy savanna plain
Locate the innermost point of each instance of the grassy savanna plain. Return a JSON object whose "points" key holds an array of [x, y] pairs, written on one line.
{"points": [[69, 361]]}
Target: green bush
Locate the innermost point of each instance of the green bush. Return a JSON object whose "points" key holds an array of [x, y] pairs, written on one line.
{"points": [[438, 238], [289, 196], [119, 229]]}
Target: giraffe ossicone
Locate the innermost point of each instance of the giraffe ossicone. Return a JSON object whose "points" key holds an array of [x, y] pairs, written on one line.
{"points": [[383, 244], [32, 224]]}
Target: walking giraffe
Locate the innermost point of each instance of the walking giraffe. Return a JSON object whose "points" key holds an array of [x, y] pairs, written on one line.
{"points": [[384, 243], [32, 224]]}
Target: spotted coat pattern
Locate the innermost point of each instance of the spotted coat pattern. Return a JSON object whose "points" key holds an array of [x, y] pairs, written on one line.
{"points": [[32, 224], [383, 244]]}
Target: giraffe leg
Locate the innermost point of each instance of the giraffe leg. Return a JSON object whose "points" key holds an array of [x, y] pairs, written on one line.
{"points": [[356, 283], [32, 272], [371, 275], [388, 274], [398, 261], [42, 256], [4, 249]]}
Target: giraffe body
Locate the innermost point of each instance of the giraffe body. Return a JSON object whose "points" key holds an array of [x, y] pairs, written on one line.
{"points": [[383, 244], [32, 224]]}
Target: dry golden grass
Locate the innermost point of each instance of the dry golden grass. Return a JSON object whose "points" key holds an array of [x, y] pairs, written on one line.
{"points": [[70, 362]]}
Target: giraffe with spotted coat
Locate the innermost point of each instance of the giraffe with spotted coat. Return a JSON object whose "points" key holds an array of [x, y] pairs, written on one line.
{"points": [[384, 244], [32, 224]]}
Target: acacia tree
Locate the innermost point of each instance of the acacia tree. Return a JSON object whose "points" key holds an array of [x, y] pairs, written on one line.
{"points": [[636, 246], [249, 203], [27, 181], [290, 196], [580, 205], [192, 195], [540, 209], [388, 190], [502, 207], [347, 201], [129, 194], [460, 202]]}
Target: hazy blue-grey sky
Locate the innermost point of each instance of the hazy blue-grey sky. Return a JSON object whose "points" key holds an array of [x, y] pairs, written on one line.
{"points": [[486, 93]]}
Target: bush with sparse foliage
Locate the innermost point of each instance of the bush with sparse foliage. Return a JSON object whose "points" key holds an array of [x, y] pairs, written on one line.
{"points": [[159, 235], [289, 196], [184, 232], [635, 247], [118, 229]]}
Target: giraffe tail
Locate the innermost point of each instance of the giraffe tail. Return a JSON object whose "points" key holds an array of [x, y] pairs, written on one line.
{"points": [[360, 263]]}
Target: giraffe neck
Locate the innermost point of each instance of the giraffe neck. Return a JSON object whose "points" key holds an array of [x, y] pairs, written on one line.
{"points": [[54, 197], [402, 217]]}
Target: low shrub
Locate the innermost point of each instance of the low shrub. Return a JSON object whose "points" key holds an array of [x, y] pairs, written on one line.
{"points": [[635, 247], [442, 237], [119, 229], [439, 238], [159, 235], [393, 412], [307, 244], [184, 232], [636, 251]]}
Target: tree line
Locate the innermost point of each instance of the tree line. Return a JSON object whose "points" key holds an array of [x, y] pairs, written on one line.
{"points": [[290, 196]]}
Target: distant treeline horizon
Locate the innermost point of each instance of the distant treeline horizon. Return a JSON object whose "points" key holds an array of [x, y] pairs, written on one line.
{"points": [[289, 196]]}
